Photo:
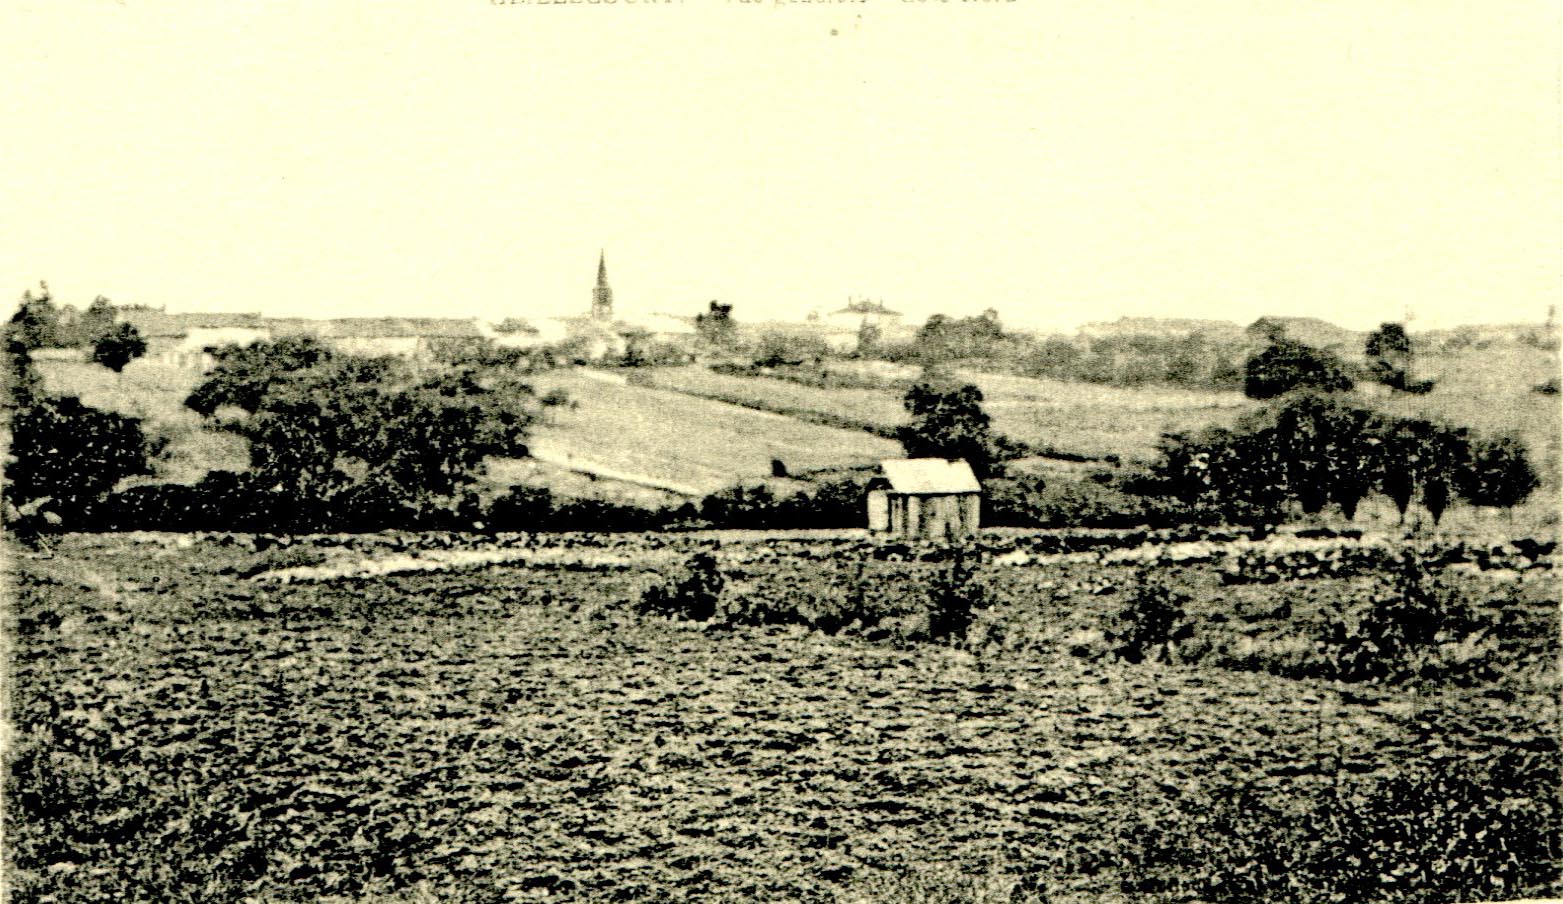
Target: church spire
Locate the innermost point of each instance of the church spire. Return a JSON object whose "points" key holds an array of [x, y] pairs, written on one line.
{"points": [[602, 296]]}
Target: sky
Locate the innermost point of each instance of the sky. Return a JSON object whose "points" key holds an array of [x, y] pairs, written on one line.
{"points": [[1061, 162]]}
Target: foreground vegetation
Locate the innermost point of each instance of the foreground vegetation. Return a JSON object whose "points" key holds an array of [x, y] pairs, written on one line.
{"points": [[426, 717]]}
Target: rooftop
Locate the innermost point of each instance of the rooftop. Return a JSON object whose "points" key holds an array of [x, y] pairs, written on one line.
{"points": [[926, 476]]}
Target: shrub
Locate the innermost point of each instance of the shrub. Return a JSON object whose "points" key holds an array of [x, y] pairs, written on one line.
{"points": [[66, 454], [1153, 621], [1412, 625], [692, 595], [954, 595]]}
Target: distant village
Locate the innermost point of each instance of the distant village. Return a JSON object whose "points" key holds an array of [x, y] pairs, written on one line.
{"points": [[599, 333]]}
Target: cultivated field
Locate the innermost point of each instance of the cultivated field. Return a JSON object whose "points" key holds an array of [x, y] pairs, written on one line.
{"points": [[665, 439], [424, 718]]}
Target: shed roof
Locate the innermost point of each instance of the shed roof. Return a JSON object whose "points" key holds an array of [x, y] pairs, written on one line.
{"points": [[926, 476]]}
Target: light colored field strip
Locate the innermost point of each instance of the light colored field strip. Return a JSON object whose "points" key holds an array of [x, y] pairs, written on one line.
{"points": [[584, 466], [445, 560]]}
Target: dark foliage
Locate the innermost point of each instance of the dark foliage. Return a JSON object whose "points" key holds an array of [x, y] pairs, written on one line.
{"points": [[1288, 365], [1399, 632], [1453, 827], [690, 595], [1152, 622], [948, 422], [36, 321], [245, 373], [944, 338], [955, 595], [66, 455], [834, 504], [118, 346]]}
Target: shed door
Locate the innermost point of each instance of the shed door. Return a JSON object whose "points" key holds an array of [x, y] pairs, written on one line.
{"points": [[878, 510]]}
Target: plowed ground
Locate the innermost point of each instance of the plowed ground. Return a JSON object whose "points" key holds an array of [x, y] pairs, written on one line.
{"points": [[517, 733]]}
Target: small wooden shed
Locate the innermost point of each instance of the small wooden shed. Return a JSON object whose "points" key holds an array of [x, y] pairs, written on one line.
{"points": [[925, 498]]}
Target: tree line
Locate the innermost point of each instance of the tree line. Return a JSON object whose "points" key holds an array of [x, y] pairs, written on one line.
{"points": [[1313, 451]]}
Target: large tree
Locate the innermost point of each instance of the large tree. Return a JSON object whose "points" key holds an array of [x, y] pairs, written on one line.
{"points": [[1389, 353], [1287, 365], [948, 422], [36, 321], [368, 436], [245, 373], [118, 346]]}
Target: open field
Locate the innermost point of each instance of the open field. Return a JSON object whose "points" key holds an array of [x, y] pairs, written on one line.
{"points": [[1491, 391], [1073, 418], [685, 444], [189, 729]]}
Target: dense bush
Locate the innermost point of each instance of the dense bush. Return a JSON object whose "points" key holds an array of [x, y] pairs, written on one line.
{"points": [[1152, 622], [955, 595], [1288, 365], [1411, 626], [66, 455], [692, 594]]}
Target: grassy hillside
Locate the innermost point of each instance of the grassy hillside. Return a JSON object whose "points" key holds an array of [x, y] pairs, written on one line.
{"points": [[685, 444], [1078, 418], [1492, 391]]}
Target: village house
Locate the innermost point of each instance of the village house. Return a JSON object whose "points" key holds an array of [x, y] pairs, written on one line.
{"points": [[182, 340], [925, 499]]}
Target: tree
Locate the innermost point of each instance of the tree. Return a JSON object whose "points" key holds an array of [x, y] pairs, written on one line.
{"points": [[36, 321], [1055, 357], [97, 320], [948, 422], [118, 347], [1288, 365], [1501, 475], [943, 338], [244, 373], [66, 455], [365, 436], [1320, 441], [1388, 350], [716, 326]]}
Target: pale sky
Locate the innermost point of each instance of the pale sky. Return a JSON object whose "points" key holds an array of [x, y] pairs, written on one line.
{"points": [[1061, 162]]}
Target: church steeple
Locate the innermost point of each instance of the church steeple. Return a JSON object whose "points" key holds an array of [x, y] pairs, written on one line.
{"points": [[602, 296]]}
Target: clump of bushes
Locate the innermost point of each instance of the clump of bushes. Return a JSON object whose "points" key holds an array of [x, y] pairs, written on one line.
{"points": [[954, 597], [1411, 626], [1153, 621], [691, 595]]}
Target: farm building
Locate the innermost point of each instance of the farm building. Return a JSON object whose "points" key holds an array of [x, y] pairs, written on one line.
{"points": [[925, 498]]}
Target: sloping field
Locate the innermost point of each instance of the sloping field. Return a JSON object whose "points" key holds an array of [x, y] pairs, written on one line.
{"points": [[677, 442], [1098, 421], [1492, 391], [1074, 418]]}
